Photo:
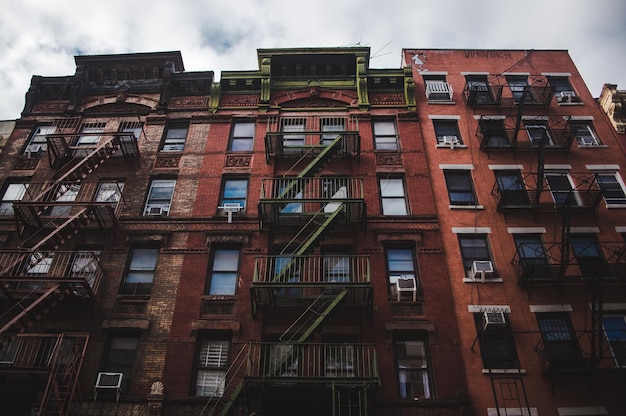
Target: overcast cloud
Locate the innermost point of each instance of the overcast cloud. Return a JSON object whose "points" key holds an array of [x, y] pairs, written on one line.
{"points": [[41, 37]]}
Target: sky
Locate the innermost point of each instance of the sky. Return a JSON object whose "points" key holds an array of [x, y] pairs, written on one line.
{"points": [[41, 37]]}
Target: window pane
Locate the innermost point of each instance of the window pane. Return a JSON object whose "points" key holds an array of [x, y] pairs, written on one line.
{"points": [[391, 187], [224, 272], [235, 191], [226, 260]]}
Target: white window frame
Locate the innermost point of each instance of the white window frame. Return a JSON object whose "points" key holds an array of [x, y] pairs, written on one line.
{"points": [[163, 203], [13, 192], [387, 195], [385, 140], [619, 181], [212, 366]]}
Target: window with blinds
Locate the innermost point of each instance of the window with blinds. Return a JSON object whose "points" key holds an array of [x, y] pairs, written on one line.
{"points": [[212, 364]]}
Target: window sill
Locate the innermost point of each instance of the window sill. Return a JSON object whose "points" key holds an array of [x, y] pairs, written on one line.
{"points": [[503, 371], [473, 280], [445, 102], [613, 206], [593, 146], [571, 103], [447, 146], [471, 207]]}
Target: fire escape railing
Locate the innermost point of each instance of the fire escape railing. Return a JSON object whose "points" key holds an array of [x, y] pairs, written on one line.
{"points": [[495, 91]]}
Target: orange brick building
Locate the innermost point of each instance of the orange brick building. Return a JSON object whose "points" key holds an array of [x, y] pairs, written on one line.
{"points": [[530, 198]]}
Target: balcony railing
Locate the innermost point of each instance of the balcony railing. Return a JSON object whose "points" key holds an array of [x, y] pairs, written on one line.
{"points": [[308, 135], [321, 363], [39, 352], [496, 135], [495, 91], [79, 272], [438, 91], [281, 280], [284, 200], [558, 264], [584, 194]]}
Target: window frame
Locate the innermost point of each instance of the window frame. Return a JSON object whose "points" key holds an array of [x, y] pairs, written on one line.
{"points": [[124, 365], [560, 84], [237, 197], [535, 126], [444, 94], [479, 89], [165, 204], [416, 365], [471, 253], [216, 370], [384, 197], [141, 275], [501, 342], [517, 83], [217, 274], [446, 127], [400, 255], [242, 142], [6, 201], [385, 140], [620, 202], [498, 137], [470, 190], [560, 343], [510, 182], [616, 341], [557, 190], [174, 143], [38, 138], [585, 140]]}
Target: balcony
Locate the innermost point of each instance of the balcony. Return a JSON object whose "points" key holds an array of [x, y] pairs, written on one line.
{"points": [[438, 91], [495, 134], [495, 91], [309, 135], [294, 280], [46, 205], [548, 192], [298, 201], [557, 264], [79, 272]]}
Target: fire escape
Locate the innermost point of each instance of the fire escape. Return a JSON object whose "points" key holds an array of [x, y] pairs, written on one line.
{"points": [[38, 276], [307, 207], [570, 259]]}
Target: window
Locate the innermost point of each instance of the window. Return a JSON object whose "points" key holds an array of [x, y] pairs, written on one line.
{"points": [[242, 136], [12, 192], [474, 247], [496, 341], [460, 187], [478, 90], [235, 191], [538, 131], [337, 265], [511, 189], [339, 360], [563, 91], [392, 196], [447, 132], [334, 125], [109, 191], [286, 189], [562, 189], [36, 265], [38, 143], [293, 132], [160, 197], [518, 84], [65, 193], [494, 133], [413, 369], [560, 344], [585, 136], [437, 89], [612, 188], [175, 136], [90, 134], [85, 265], [283, 360], [533, 256], [128, 142], [212, 366], [140, 273], [224, 273], [120, 354], [402, 273], [614, 327], [589, 256], [385, 135]]}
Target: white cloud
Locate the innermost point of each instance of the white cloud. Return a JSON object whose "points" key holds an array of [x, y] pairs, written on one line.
{"points": [[42, 37]]}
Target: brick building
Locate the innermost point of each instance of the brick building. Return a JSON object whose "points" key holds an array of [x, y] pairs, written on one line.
{"points": [[267, 244], [530, 197]]}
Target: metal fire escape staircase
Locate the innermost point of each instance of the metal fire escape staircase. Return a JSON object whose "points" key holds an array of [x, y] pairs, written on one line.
{"points": [[322, 307], [49, 281]]}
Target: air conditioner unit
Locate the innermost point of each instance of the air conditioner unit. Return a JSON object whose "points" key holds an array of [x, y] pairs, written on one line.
{"points": [[156, 211], [230, 208], [493, 320], [34, 150], [109, 382], [482, 269], [451, 141], [566, 96], [406, 284]]}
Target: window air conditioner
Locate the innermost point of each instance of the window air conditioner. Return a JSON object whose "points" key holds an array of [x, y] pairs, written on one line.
{"points": [[482, 269], [493, 320], [450, 141], [230, 208], [111, 382], [156, 211], [34, 150], [406, 284], [566, 96]]}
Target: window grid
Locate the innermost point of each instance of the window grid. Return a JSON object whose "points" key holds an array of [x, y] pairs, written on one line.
{"points": [[212, 365]]}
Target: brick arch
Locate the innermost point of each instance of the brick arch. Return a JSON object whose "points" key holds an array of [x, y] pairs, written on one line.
{"points": [[114, 100], [332, 98]]}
